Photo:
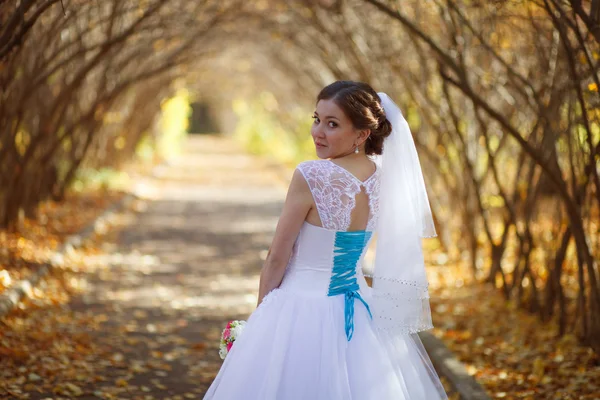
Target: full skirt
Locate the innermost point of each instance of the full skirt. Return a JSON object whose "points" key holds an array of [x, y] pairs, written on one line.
{"points": [[294, 347]]}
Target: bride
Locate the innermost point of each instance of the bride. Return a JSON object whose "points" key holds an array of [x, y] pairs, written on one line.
{"points": [[319, 331]]}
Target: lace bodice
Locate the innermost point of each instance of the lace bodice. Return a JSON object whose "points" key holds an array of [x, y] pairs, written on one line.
{"points": [[334, 190]]}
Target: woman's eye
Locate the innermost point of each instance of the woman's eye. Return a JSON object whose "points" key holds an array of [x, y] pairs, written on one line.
{"points": [[331, 123]]}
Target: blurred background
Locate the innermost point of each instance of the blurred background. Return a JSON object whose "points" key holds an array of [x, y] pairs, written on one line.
{"points": [[502, 98]]}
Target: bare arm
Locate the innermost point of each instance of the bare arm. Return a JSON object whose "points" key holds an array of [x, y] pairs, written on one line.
{"points": [[297, 205]]}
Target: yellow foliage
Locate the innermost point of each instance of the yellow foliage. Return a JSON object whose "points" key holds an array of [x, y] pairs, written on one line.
{"points": [[119, 143], [264, 129], [22, 140], [174, 124]]}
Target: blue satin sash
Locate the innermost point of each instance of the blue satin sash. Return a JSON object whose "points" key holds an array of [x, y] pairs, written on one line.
{"points": [[348, 248]]}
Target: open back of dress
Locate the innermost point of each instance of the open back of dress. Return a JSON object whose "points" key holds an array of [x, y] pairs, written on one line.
{"points": [[343, 201]]}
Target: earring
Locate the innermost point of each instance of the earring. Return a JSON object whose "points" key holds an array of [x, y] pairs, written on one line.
{"points": [[356, 150]]}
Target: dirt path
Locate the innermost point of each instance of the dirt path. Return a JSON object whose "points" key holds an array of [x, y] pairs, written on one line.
{"points": [[148, 324], [195, 255]]}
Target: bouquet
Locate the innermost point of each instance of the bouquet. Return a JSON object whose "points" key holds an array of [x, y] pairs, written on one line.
{"points": [[232, 331]]}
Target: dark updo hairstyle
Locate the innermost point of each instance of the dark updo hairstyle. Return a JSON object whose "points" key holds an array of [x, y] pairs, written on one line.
{"points": [[363, 107]]}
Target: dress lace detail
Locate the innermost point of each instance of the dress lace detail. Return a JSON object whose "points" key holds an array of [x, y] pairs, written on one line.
{"points": [[334, 190], [372, 189]]}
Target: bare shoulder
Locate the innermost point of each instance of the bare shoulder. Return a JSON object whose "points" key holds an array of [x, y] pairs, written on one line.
{"points": [[299, 188]]}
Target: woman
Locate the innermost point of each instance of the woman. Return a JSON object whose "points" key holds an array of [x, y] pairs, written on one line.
{"points": [[319, 331]]}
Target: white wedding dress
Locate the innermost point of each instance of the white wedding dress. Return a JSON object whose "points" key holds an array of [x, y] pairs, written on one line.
{"points": [[312, 338]]}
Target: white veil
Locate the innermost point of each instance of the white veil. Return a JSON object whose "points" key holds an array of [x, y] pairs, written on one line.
{"points": [[400, 296]]}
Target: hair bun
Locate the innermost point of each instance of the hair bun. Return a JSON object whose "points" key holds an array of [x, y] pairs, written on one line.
{"points": [[375, 145]]}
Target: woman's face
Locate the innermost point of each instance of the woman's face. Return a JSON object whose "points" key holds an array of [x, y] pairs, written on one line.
{"points": [[332, 131]]}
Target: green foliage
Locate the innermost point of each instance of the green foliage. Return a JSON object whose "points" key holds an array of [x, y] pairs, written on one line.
{"points": [[103, 178], [264, 129], [145, 149]]}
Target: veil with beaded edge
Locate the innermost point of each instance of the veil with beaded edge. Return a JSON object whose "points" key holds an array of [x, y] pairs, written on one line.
{"points": [[400, 302]]}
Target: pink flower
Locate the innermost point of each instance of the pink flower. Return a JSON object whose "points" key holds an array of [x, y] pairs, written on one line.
{"points": [[229, 324], [226, 333], [229, 346]]}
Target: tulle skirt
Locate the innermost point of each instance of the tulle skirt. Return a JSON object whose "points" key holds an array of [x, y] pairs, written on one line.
{"points": [[294, 347]]}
